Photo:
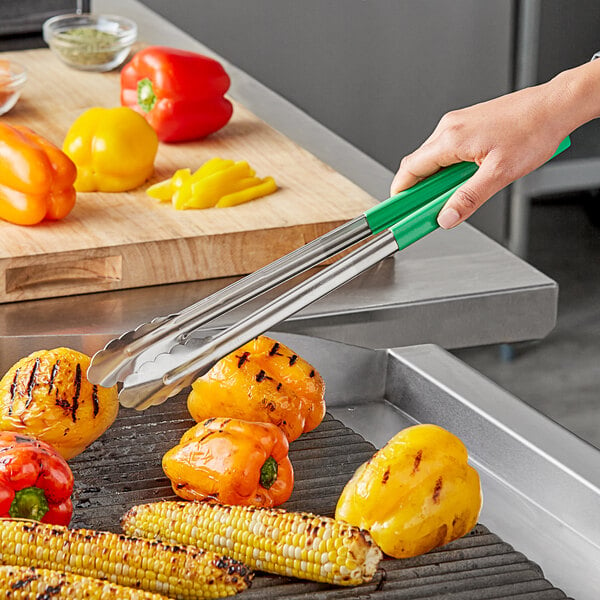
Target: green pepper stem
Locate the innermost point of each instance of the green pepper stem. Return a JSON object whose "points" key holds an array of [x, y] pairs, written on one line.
{"points": [[268, 473], [29, 503], [145, 94]]}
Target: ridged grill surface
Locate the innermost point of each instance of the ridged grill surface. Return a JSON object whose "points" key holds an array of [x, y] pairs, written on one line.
{"points": [[123, 468]]}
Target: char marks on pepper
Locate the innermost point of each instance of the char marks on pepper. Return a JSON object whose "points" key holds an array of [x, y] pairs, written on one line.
{"points": [[418, 457], [13, 390], [53, 375], [242, 359], [261, 375], [206, 435], [386, 476], [31, 382], [75, 402], [95, 400], [437, 489]]}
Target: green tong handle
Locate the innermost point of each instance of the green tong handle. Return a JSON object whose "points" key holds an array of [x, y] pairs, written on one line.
{"points": [[420, 221], [424, 201]]}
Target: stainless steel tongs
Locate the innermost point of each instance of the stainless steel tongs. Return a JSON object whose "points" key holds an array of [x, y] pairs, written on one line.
{"points": [[153, 361]]}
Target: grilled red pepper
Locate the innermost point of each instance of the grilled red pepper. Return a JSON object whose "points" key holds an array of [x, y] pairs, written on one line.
{"points": [[35, 481], [179, 93]]}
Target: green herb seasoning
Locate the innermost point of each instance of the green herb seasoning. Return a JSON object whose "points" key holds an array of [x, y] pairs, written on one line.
{"points": [[87, 45]]}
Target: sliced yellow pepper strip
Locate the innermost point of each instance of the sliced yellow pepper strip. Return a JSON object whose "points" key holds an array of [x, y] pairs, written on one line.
{"points": [[181, 183], [268, 186], [180, 177], [162, 191], [207, 191], [212, 166]]}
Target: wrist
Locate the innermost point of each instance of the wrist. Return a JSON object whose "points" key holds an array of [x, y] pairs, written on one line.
{"points": [[575, 95]]}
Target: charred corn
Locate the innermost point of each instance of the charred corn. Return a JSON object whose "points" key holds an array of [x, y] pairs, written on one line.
{"points": [[25, 583], [179, 572], [299, 545]]}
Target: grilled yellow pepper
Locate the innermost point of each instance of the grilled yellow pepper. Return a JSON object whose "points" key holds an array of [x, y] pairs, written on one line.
{"points": [[416, 493], [48, 396], [113, 148]]}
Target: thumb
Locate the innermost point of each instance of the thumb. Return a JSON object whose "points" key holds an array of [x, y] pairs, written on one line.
{"points": [[471, 195]]}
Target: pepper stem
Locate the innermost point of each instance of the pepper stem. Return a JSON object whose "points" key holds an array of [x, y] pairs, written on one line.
{"points": [[145, 94], [268, 473], [29, 503]]}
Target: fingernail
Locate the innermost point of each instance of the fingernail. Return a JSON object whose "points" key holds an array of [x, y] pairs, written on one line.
{"points": [[448, 218]]}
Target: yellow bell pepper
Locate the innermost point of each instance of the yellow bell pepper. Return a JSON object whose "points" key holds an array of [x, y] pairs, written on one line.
{"points": [[416, 493], [113, 148], [218, 182]]}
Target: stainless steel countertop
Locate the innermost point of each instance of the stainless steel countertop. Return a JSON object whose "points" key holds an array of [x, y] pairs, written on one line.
{"points": [[454, 289]]}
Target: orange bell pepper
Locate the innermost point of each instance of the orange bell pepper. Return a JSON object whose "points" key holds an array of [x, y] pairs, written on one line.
{"points": [[36, 177], [262, 381], [233, 462]]}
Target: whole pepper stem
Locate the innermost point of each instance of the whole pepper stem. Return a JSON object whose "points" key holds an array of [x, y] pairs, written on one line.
{"points": [[145, 94], [29, 503], [268, 473]]}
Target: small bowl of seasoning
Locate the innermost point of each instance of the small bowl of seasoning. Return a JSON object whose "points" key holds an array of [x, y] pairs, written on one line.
{"points": [[12, 80], [90, 42]]}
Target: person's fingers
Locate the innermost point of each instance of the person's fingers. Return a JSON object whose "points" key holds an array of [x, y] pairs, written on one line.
{"points": [[403, 180], [423, 162], [485, 182]]}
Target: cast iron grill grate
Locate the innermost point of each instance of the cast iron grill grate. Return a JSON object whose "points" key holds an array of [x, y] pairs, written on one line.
{"points": [[123, 468]]}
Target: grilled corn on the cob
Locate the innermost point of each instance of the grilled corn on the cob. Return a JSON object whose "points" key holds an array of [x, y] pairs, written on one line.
{"points": [[26, 583], [299, 545], [175, 571]]}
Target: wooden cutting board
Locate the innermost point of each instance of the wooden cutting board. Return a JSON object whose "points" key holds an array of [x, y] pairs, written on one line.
{"points": [[121, 240]]}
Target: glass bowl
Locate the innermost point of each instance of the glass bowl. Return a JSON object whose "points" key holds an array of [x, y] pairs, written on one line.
{"points": [[12, 80], [90, 42]]}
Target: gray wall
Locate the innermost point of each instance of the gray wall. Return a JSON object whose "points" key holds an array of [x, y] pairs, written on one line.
{"points": [[569, 36], [380, 73]]}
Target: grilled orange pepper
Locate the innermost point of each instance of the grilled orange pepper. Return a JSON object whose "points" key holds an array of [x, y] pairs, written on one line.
{"points": [[232, 462], [262, 381], [36, 177]]}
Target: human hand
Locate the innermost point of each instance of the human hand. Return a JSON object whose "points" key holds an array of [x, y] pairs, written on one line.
{"points": [[507, 137]]}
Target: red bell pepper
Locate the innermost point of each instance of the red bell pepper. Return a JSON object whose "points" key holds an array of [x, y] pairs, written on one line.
{"points": [[35, 481], [181, 94]]}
